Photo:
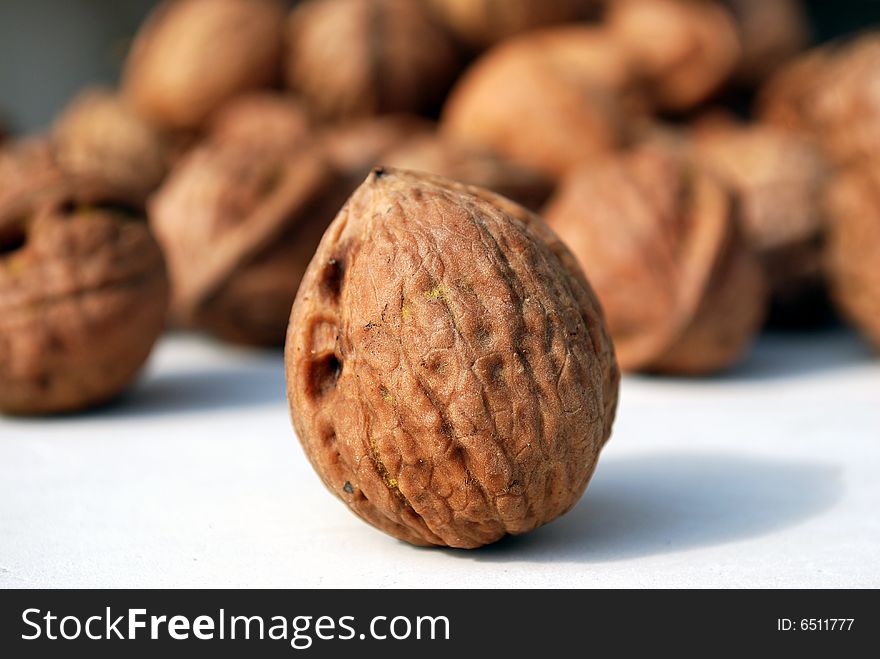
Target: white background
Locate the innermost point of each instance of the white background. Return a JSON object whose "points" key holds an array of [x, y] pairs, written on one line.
{"points": [[768, 476]]}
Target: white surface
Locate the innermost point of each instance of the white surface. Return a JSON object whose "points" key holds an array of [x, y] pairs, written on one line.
{"points": [[769, 476]]}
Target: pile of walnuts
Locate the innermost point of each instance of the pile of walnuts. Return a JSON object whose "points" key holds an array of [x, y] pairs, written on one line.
{"points": [[452, 363]]}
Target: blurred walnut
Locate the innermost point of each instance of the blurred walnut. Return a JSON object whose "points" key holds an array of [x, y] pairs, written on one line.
{"points": [[238, 228], [683, 49], [27, 168], [482, 23], [353, 58], [261, 120], [771, 32], [551, 99], [355, 147], [100, 135], [83, 297], [191, 55], [435, 155], [779, 177], [853, 203], [787, 99], [660, 243]]}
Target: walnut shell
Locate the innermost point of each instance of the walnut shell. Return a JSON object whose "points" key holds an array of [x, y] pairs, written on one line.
{"points": [[83, 298], [660, 242], [779, 177], [261, 120], [448, 369], [853, 202], [683, 49], [191, 55], [482, 23], [787, 98], [771, 32], [549, 99], [27, 169], [354, 58], [474, 166], [99, 135], [238, 228]]}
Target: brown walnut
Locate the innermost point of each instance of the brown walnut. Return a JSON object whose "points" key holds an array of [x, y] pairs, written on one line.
{"points": [[771, 32], [474, 166], [550, 99], [191, 55], [684, 50], [83, 298], [261, 120], [354, 58], [853, 203], [99, 135], [779, 177], [238, 228], [448, 369], [660, 243], [28, 169], [482, 23]]}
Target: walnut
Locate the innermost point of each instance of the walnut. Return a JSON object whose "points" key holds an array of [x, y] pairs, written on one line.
{"points": [[683, 49], [354, 58], [448, 369], [481, 23], [28, 169], [853, 201], [99, 135], [261, 120], [474, 166], [660, 242], [355, 147], [549, 99], [83, 298], [832, 93], [779, 177], [771, 32], [238, 228], [191, 55]]}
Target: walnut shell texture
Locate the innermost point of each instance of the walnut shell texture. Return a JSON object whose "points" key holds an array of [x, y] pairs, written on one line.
{"points": [[238, 228], [83, 298], [853, 201], [191, 55], [779, 177], [548, 99], [684, 49], [474, 166], [99, 135], [261, 120], [28, 168], [482, 23], [682, 292], [449, 372], [355, 58]]}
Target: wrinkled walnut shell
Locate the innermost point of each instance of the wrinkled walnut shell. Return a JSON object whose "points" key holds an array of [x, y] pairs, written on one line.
{"points": [[550, 99], [779, 177], [683, 50], [659, 242], [481, 23], [355, 58], [27, 169], [191, 55], [238, 228], [448, 369], [83, 298], [261, 120], [473, 166], [99, 135], [853, 203]]}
